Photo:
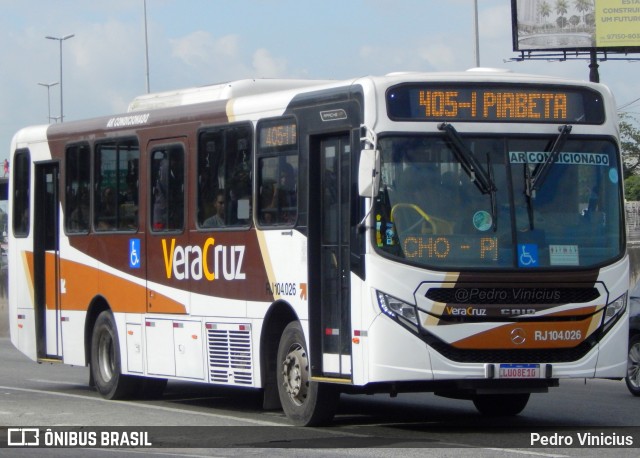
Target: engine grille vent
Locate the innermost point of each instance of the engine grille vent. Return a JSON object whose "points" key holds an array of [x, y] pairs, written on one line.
{"points": [[230, 354]]}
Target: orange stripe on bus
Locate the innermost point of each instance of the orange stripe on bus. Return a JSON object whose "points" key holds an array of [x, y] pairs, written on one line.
{"points": [[79, 284], [565, 334]]}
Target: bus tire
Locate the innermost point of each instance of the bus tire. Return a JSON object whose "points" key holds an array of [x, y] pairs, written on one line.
{"points": [[105, 360], [632, 379], [305, 403], [501, 405]]}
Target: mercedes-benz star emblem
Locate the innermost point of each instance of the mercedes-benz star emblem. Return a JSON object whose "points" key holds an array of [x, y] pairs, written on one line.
{"points": [[518, 336]]}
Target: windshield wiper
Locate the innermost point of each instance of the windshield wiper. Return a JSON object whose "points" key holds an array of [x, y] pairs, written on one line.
{"points": [[494, 204], [535, 180], [470, 164], [482, 178]]}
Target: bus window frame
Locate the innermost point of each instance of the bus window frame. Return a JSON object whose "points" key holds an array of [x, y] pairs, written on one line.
{"points": [[25, 186], [149, 191], [279, 152], [67, 213], [222, 130], [117, 141]]}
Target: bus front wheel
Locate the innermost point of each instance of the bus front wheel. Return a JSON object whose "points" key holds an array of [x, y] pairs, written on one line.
{"points": [[105, 360], [501, 405], [306, 403], [633, 366]]}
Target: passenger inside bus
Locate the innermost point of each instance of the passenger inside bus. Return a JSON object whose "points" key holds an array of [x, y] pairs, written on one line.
{"points": [[284, 193], [218, 218], [168, 190], [79, 219], [107, 217]]}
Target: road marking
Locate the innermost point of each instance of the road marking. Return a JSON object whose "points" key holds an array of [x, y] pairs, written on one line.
{"points": [[525, 452], [147, 406], [57, 382], [150, 451]]}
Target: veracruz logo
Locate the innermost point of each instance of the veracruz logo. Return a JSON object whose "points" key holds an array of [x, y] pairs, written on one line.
{"points": [[209, 261]]}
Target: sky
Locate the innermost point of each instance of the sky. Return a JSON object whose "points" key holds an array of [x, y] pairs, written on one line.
{"points": [[199, 42]]}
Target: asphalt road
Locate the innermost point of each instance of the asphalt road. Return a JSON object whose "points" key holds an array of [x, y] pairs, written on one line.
{"points": [[200, 420]]}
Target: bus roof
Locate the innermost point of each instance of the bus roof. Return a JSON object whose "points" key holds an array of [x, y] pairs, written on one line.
{"points": [[222, 91], [256, 86]]}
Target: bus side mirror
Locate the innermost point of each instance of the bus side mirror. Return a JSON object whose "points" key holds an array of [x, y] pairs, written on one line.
{"points": [[369, 172]]}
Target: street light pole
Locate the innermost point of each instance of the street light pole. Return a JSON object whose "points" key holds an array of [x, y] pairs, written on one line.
{"points": [[60, 40], [476, 33], [48, 86], [146, 44]]}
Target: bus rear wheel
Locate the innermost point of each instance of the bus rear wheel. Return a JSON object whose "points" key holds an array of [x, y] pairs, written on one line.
{"points": [[501, 405], [306, 403], [105, 360]]}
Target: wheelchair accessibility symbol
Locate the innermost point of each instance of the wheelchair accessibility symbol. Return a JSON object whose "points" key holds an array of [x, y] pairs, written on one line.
{"points": [[134, 253], [527, 255]]}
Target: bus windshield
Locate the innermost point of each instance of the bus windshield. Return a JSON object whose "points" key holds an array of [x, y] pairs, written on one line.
{"points": [[433, 211]]}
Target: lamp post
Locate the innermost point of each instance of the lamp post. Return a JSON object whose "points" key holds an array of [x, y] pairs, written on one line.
{"points": [[60, 40], [146, 43], [48, 86], [476, 41]]}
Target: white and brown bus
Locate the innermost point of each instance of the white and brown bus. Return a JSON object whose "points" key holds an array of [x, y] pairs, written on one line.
{"points": [[459, 233]]}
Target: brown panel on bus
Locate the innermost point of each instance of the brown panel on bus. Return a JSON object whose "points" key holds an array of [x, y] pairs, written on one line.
{"points": [[523, 279]]}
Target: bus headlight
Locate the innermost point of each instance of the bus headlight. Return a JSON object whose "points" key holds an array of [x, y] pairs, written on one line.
{"points": [[613, 311], [397, 309]]}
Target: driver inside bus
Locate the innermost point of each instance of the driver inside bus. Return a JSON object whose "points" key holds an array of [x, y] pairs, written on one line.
{"points": [[419, 176]]}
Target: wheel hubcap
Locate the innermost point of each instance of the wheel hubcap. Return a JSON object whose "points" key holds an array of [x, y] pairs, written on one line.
{"points": [[295, 371], [633, 366], [106, 356]]}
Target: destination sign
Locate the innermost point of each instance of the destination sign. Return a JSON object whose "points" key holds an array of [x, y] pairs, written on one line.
{"points": [[282, 133], [492, 103], [442, 247]]}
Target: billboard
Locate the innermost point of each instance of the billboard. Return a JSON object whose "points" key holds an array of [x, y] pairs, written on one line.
{"points": [[545, 25]]}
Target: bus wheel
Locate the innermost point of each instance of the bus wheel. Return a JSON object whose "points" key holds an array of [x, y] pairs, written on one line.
{"points": [[105, 360], [633, 366], [305, 403], [501, 405]]}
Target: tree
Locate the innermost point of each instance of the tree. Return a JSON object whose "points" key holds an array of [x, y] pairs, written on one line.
{"points": [[562, 8], [544, 10], [574, 21], [632, 188], [583, 6], [561, 22], [630, 144]]}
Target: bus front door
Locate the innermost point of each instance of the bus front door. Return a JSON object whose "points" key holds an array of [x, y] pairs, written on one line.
{"points": [[46, 261], [329, 233]]}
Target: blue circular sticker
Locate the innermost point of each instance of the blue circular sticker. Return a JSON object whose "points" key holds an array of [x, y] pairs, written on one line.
{"points": [[613, 175], [482, 220]]}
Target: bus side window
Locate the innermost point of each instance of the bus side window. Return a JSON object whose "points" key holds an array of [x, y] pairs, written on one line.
{"points": [[167, 188], [278, 190], [22, 183], [77, 186], [115, 189], [224, 174]]}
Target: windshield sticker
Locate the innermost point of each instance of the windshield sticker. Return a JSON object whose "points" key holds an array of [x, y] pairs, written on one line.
{"points": [[563, 158], [482, 220], [564, 255], [613, 175], [527, 255]]}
